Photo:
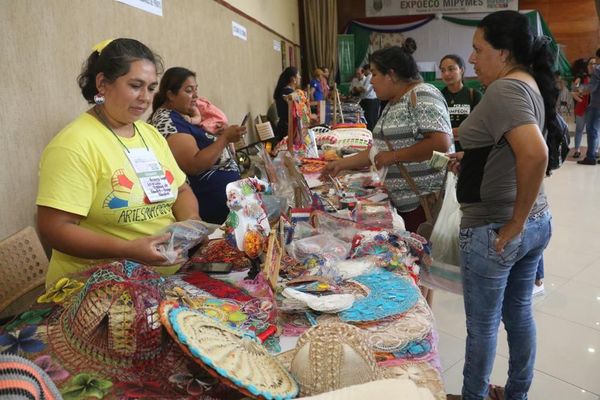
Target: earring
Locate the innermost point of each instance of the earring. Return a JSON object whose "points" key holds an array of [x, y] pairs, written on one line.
{"points": [[98, 99]]}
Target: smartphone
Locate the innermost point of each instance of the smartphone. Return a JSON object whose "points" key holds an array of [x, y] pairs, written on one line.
{"points": [[245, 119], [213, 267]]}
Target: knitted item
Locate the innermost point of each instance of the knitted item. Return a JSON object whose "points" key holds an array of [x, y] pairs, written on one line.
{"points": [[22, 379]]}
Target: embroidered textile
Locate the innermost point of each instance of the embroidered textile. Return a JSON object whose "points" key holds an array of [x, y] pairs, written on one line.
{"points": [[390, 294]]}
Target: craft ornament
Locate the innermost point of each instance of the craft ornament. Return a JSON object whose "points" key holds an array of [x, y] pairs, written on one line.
{"points": [[247, 226]]}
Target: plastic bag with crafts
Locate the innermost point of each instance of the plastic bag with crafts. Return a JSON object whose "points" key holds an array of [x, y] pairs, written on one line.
{"points": [[283, 187], [375, 215], [184, 236], [303, 230], [341, 228], [275, 206], [324, 246], [444, 271]]}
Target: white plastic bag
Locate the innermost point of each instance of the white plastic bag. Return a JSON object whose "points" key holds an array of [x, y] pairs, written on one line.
{"points": [[184, 236], [444, 272], [326, 246]]}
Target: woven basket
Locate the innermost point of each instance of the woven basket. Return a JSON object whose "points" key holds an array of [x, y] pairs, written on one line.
{"points": [[24, 264]]}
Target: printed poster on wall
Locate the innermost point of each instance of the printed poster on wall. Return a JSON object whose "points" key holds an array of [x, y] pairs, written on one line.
{"points": [[380, 8], [151, 6]]}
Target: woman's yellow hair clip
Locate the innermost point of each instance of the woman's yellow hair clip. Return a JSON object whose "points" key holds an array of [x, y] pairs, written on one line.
{"points": [[100, 46]]}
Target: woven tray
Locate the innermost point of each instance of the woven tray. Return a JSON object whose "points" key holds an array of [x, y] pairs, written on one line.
{"points": [[238, 360]]}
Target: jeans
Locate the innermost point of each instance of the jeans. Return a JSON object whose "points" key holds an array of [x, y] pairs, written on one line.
{"points": [[592, 115], [499, 285], [539, 274], [580, 121]]}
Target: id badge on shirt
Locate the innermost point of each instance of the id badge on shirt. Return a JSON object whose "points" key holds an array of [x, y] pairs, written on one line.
{"points": [[151, 175]]}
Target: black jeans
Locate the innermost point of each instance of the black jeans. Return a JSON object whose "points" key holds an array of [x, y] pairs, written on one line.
{"points": [[371, 109]]}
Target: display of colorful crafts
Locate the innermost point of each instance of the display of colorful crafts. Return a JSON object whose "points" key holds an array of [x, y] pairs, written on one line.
{"points": [[312, 165], [219, 250], [247, 226]]}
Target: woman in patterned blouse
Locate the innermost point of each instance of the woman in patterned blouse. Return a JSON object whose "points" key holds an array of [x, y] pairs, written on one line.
{"points": [[415, 122]]}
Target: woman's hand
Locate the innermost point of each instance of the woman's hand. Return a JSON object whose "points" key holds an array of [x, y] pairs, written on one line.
{"points": [[506, 233], [577, 96], [454, 163], [385, 159], [331, 169], [233, 133], [145, 250]]}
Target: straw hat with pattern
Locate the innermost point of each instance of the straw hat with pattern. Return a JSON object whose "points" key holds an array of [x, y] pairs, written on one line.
{"points": [[332, 356], [112, 326]]}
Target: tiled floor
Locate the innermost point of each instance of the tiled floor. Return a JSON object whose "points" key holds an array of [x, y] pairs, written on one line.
{"points": [[567, 316]]}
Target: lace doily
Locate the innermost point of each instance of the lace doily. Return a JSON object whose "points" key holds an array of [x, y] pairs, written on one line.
{"points": [[390, 294], [394, 333]]}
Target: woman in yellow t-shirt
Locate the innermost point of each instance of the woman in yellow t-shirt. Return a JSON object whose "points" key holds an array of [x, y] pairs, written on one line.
{"points": [[108, 181]]}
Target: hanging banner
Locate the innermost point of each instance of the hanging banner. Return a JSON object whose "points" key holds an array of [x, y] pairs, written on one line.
{"points": [[380, 8], [346, 57]]}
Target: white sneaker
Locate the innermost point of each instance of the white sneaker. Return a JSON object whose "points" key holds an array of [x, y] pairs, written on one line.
{"points": [[538, 290]]}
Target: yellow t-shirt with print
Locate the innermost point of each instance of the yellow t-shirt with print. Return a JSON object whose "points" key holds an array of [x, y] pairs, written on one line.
{"points": [[84, 170]]}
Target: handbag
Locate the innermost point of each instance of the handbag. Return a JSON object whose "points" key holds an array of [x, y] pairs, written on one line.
{"points": [[430, 202]]}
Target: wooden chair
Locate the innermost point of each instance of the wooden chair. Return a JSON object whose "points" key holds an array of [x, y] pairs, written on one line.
{"points": [[23, 265]]}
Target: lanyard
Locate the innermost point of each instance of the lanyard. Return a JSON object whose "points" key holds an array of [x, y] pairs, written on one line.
{"points": [[105, 123]]}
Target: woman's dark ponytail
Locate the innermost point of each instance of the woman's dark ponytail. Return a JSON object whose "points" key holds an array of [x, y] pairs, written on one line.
{"points": [[542, 68], [87, 79], [510, 30]]}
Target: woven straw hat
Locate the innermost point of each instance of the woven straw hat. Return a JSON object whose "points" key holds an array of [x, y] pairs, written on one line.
{"points": [[112, 326], [332, 356]]}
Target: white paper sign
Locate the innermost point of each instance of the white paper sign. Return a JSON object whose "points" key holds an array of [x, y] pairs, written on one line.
{"points": [[151, 6], [276, 45], [239, 30]]}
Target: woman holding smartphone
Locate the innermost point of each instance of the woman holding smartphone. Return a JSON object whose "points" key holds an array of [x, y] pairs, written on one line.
{"points": [[205, 158]]}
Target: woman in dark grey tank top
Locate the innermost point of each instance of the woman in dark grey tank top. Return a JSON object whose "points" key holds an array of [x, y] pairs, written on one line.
{"points": [[506, 221]]}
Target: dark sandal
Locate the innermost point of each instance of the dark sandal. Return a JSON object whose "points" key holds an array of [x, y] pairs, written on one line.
{"points": [[496, 393]]}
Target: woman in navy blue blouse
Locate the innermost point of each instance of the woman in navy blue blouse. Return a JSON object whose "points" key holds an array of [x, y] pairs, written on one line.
{"points": [[204, 157]]}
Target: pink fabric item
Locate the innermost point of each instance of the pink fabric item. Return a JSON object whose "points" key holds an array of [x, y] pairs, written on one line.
{"points": [[212, 117]]}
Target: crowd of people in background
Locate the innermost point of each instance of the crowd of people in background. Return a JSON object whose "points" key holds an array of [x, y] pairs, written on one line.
{"points": [[585, 91]]}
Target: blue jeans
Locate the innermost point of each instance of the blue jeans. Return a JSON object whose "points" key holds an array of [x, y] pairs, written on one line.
{"points": [[539, 274], [580, 121], [499, 285], [592, 115]]}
